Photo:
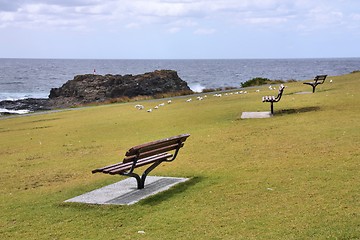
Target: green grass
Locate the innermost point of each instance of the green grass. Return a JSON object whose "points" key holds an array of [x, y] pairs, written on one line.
{"points": [[293, 176]]}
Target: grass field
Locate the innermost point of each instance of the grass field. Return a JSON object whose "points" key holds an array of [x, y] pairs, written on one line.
{"points": [[292, 176]]}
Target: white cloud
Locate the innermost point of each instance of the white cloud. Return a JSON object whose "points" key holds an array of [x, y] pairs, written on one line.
{"points": [[265, 20], [169, 12], [205, 31], [126, 20], [132, 25], [174, 30]]}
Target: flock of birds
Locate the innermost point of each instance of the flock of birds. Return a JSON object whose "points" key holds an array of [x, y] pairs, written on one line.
{"points": [[200, 98]]}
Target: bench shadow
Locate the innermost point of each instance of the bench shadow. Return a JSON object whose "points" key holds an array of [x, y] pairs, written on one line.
{"points": [[178, 188], [297, 110]]}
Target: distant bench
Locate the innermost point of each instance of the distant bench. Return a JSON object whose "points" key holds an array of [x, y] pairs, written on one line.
{"points": [[152, 153], [319, 79], [272, 99]]}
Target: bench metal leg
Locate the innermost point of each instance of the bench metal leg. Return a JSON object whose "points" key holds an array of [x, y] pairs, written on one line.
{"points": [[140, 183], [146, 172], [141, 180], [272, 107]]}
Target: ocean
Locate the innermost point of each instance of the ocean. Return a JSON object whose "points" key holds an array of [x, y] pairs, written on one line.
{"points": [[33, 78]]}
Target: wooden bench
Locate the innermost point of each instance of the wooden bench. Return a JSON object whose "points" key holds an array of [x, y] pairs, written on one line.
{"points": [[153, 153], [319, 79], [272, 99]]}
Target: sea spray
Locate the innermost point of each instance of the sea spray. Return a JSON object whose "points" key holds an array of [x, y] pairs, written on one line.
{"points": [[196, 87]]}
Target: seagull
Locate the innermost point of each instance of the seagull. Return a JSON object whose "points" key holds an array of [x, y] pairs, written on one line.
{"points": [[138, 106]]}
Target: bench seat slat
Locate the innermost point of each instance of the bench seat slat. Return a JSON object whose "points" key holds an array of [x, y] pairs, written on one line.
{"points": [[109, 168], [139, 163], [106, 167]]}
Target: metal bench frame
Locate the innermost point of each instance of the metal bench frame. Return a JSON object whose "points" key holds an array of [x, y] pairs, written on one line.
{"points": [[272, 99], [319, 79]]}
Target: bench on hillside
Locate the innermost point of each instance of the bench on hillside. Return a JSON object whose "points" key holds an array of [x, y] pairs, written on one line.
{"points": [[151, 153], [319, 79], [272, 99]]}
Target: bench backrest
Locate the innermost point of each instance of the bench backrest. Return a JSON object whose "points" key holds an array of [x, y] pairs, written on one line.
{"points": [[281, 90], [319, 78], [156, 147]]}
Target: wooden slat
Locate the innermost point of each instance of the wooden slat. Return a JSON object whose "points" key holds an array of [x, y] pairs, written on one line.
{"points": [[320, 77], [152, 152], [139, 163], [156, 144], [127, 165], [106, 167]]}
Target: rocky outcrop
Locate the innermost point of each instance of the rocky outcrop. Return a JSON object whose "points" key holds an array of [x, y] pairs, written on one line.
{"points": [[91, 88], [30, 104]]}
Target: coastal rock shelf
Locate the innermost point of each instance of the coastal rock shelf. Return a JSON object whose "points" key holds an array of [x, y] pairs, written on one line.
{"points": [[90, 88], [24, 106]]}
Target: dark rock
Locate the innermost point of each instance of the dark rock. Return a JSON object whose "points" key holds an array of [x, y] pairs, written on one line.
{"points": [[31, 104], [91, 88]]}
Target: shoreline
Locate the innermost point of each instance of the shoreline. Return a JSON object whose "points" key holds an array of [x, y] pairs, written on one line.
{"points": [[24, 106]]}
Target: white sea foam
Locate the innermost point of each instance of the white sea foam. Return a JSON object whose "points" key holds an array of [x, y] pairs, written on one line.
{"points": [[19, 96], [23, 111], [196, 87]]}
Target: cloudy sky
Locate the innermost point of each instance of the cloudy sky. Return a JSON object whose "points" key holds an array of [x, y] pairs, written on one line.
{"points": [[179, 29]]}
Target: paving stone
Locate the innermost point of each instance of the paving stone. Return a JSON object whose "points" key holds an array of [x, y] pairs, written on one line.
{"points": [[245, 115], [125, 192]]}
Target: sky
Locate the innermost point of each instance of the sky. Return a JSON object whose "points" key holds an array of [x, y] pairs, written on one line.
{"points": [[179, 29]]}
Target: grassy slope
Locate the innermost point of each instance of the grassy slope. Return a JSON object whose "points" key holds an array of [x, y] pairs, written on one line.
{"points": [[293, 176]]}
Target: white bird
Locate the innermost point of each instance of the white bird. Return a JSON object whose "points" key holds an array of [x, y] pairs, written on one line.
{"points": [[150, 110], [331, 80], [156, 107], [161, 104], [257, 90], [169, 101], [189, 100], [138, 106]]}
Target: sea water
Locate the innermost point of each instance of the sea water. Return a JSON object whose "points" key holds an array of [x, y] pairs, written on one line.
{"points": [[34, 78]]}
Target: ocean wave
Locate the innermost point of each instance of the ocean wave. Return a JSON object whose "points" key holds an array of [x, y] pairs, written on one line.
{"points": [[12, 83], [196, 87], [20, 96], [4, 110]]}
